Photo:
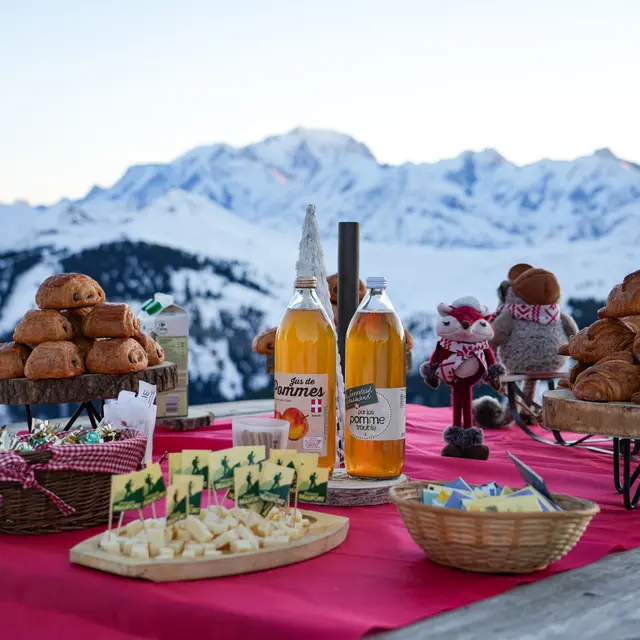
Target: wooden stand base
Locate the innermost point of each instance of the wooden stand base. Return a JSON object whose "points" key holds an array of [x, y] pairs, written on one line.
{"points": [[196, 419], [351, 492]]}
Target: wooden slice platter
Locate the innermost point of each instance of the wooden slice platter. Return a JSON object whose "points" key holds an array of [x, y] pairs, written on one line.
{"points": [[344, 491], [564, 412], [197, 418], [85, 388], [325, 533]]}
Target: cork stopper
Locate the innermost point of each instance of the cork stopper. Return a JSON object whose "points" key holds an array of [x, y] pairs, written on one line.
{"points": [[305, 282]]}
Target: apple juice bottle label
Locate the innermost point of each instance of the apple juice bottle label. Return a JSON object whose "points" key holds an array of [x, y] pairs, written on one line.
{"points": [[376, 414], [302, 399]]}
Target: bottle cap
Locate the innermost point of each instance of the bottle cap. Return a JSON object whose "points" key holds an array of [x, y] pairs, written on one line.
{"points": [[376, 282], [305, 282]]}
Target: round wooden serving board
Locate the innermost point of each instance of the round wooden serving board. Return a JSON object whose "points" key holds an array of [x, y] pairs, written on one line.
{"points": [[197, 418], [85, 388], [564, 412], [344, 491], [325, 533]]}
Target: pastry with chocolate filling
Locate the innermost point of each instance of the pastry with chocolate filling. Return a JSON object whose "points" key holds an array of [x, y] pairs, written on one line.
{"points": [[69, 291], [111, 321], [155, 353], [54, 360], [13, 357], [116, 356], [43, 325]]}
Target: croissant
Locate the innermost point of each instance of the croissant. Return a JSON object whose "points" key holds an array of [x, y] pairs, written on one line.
{"points": [[39, 325], [577, 369], [563, 383], [54, 360], [116, 355], [633, 322], [69, 291], [13, 357], [610, 381], [625, 356], [110, 321], [563, 350], [624, 299], [600, 339], [155, 353]]}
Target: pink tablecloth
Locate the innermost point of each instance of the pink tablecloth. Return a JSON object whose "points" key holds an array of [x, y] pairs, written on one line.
{"points": [[377, 579]]}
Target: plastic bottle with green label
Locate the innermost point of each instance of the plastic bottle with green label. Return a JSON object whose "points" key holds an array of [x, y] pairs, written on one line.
{"points": [[376, 390]]}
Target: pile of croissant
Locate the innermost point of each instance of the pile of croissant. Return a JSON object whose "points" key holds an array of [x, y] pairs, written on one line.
{"points": [[75, 331], [608, 351]]}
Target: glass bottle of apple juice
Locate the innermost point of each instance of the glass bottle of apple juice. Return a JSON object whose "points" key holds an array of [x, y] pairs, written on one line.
{"points": [[305, 374], [376, 391]]}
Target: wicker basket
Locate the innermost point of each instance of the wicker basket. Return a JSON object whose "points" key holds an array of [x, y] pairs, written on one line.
{"points": [[492, 542], [30, 511]]}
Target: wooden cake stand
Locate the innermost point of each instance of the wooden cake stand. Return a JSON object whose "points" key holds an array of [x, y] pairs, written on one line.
{"points": [[84, 389], [618, 420]]}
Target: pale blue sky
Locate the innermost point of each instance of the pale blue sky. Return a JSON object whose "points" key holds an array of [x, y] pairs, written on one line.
{"points": [[89, 87]]}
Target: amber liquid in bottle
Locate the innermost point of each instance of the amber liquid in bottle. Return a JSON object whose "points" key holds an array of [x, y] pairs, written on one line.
{"points": [[375, 355], [305, 375]]}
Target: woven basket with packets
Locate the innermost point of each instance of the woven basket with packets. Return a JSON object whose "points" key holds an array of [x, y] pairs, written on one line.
{"points": [[64, 487], [490, 542]]}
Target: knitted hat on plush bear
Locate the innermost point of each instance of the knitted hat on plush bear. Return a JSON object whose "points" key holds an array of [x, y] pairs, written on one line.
{"points": [[517, 270], [537, 286]]}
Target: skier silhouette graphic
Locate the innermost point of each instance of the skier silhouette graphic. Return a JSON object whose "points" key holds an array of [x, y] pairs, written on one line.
{"points": [[251, 458], [128, 488], [225, 466], [276, 481], [312, 481], [195, 466], [249, 479]]}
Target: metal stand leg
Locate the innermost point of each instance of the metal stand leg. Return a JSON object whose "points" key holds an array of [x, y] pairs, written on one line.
{"points": [[27, 410], [74, 417], [513, 392], [622, 446]]}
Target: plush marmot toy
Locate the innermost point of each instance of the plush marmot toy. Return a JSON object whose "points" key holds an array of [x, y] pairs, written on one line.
{"points": [[462, 358], [505, 287], [528, 331]]}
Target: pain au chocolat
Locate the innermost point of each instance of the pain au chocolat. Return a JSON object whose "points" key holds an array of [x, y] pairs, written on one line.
{"points": [[111, 321], [116, 356], [69, 291], [155, 353], [43, 325], [54, 360], [13, 357]]}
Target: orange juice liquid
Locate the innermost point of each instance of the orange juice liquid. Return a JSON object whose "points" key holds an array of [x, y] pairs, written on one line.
{"points": [[305, 382], [375, 354]]}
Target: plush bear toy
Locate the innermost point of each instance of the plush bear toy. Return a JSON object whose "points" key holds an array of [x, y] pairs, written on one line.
{"points": [[505, 287], [528, 331], [462, 358]]}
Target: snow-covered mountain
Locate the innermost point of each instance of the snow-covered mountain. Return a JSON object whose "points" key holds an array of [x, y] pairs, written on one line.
{"points": [[219, 228]]}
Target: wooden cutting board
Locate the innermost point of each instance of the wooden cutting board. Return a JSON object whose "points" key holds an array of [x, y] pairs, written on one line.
{"points": [[325, 533]]}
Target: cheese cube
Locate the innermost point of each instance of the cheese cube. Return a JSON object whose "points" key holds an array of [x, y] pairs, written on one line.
{"points": [[254, 520], [210, 516], [188, 553], [224, 540], [154, 549], [217, 527], [198, 549], [140, 550], [128, 545], [275, 541], [263, 529], [240, 514], [157, 523], [110, 545], [294, 533], [276, 524], [212, 553], [133, 528], [223, 512], [157, 536], [198, 530], [233, 534], [244, 533], [166, 553], [183, 534], [306, 523], [231, 522], [241, 546], [177, 546]]}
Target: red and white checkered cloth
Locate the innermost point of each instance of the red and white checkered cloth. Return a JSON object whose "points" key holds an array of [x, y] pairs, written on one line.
{"points": [[118, 457]]}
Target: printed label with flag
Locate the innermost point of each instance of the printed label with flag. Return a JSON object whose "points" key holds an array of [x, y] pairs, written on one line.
{"points": [[316, 405], [127, 492], [177, 502], [194, 486], [154, 485]]}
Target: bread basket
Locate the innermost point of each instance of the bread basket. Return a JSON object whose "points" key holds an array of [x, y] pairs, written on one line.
{"points": [[490, 542], [76, 477]]}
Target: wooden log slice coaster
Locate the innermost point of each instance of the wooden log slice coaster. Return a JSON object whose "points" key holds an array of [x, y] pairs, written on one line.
{"points": [[196, 419], [85, 388], [344, 491], [564, 412]]}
